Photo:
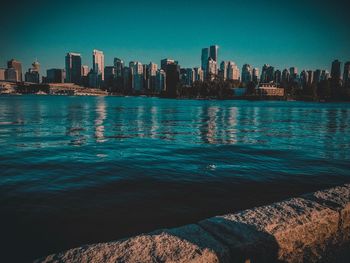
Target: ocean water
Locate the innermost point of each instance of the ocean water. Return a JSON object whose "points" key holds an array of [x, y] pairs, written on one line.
{"points": [[80, 170]]}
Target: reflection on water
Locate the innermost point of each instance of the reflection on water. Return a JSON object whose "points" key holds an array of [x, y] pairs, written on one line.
{"points": [[94, 164]]}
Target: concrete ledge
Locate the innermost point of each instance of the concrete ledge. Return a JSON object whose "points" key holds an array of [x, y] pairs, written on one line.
{"points": [[312, 228]]}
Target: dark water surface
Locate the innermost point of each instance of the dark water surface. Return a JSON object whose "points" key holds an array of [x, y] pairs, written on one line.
{"points": [[78, 170]]}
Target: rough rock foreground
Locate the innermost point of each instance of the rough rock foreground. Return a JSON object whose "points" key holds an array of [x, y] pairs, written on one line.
{"points": [[312, 228]]}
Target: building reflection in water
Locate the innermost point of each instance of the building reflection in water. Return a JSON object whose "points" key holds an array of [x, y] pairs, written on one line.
{"points": [[101, 115]]}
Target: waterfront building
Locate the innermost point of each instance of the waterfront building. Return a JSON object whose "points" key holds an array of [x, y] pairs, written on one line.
{"points": [[199, 74], [269, 89], [204, 60], [212, 69], [166, 61], [247, 73], [32, 76], [160, 81], [84, 70], [55, 75], [293, 73], [172, 79], [277, 77], [325, 75], [11, 75], [213, 52], [336, 71], [285, 76], [304, 78], [126, 80], [232, 71], [152, 74], [346, 74], [98, 62], [118, 65], [73, 68], [317, 76], [190, 76], [15, 64], [109, 73], [94, 79], [2, 74], [136, 70], [310, 77], [255, 76], [267, 74], [223, 70]]}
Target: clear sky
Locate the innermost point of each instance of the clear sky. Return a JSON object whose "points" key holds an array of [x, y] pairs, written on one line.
{"points": [[304, 33]]}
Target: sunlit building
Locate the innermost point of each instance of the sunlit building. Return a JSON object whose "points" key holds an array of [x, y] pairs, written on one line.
{"points": [[98, 62], [232, 71], [247, 73], [73, 68], [15, 64]]}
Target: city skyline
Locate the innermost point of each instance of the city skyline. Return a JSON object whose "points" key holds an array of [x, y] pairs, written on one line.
{"points": [[279, 34]]}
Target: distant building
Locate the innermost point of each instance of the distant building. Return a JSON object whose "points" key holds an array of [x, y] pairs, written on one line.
{"points": [[267, 74], [336, 71], [109, 73], [73, 68], [232, 71], [118, 65], [165, 62], [317, 76], [346, 74], [247, 73], [136, 70], [98, 62], [285, 76], [204, 60], [55, 75], [223, 70], [160, 81], [2, 74], [152, 75], [293, 73], [17, 66], [277, 77], [310, 77], [94, 79], [255, 75], [172, 79], [213, 52], [32, 76], [304, 78], [269, 89], [199, 74], [11, 75], [212, 69], [84, 70], [190, 76]]}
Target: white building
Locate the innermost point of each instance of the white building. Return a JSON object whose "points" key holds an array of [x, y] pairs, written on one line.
{"points": [[98, 62]]}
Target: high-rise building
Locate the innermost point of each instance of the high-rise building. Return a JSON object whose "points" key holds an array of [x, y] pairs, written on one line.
{"points": [[213, 52], [285, 76], [160, 81], [247, 73], [109, 73], [212, 69], [336, 71], [11, 75], [119, 65], [267, 74], [55, 75], [304, 78], [293, 73], [152, 74], [199, 74], [277, 77], [310, 77], [346, 74], [98, 62], [204, 60], [17, 66], [232, 71], [84, 70], [223, 70], [172, 79], [317, 76], [166, 61], [32, 75], [255, 75], [190, 76], [137, 76], [73, 68]]}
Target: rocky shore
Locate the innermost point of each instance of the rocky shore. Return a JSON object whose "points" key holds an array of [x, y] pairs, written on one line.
{"points": [[311, 228]]}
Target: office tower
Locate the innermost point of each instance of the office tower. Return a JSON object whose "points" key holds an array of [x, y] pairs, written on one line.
{"points": [[204, 60], [172, 79], [166, 61], [160, 81], [277, 77], [267, 74], [310, 79], [223, 70], [98, 62], [11, 75], [317, 76], [213, 52], [335, 71], [285, 76], [346, 74], [212, 69], [199, 74], [190, 76], [293, 73], [247, 73], [255, 75], [325, 75], [118, 65], [136, 71], [32, 75], [109, 74], [152, 74], [17, 66], [55, 75], [126, 79], [183, 76], [84, 70], [73, 68], [304, 78], [2, 73], [232, 71]]}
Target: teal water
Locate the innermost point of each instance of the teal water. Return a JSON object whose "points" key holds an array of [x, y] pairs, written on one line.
{"points": [[77, 170]]}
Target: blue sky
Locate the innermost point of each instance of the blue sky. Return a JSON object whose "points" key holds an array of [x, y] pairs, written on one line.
{"points": [[307, 34]]}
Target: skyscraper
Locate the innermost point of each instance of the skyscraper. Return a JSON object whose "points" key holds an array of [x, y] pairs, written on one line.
{"points": [[73, 68], [247, 73], [160, 81], [204, 60], [310, 77], [285, 76], [232, 71], [109, 73], [55, 75], [166, 61], [98, 62], [317, 76], [213, 52], [212, 69], [267, 74], [277, 77], [84, 70], [223, 70], [293, 73], [136, 76], [32, 75], [17, 66], [346, 74], [118, 65], [255, 75], [172, 79]]}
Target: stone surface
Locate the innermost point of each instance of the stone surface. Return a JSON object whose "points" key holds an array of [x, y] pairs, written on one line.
{"points": [[185, 244], [312, 228]]}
